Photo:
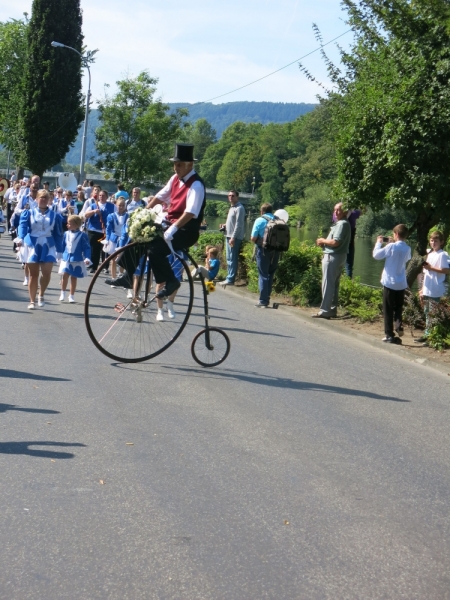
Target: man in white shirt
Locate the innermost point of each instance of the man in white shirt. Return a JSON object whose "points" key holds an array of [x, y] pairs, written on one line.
{"points": [[393, 279], [184, 199], [435, 269]]}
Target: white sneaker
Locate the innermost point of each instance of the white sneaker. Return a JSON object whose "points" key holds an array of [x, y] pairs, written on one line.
{"points": [[130, 294], [25, 281], [41, 301], [160, 315], [170, 311], [62, 296], [71, 299], [31, 306]]}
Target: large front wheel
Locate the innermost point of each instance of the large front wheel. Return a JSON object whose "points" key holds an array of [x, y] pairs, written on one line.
{"points": [[125, 325]]}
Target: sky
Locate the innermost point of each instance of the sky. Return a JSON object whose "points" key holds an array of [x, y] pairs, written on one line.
{"points": [[206, 48]]}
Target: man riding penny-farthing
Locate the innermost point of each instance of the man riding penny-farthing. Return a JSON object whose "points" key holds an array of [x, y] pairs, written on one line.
{"points": [[129, 327]]}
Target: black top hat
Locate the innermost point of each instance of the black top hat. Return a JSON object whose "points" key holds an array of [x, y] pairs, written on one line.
{"points": [[184, 153]]}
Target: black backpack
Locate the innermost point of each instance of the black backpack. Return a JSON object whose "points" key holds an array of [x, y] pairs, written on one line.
{"points": [[277, 235]]}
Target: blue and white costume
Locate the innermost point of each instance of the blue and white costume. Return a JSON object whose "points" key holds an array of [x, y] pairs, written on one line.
{"points": [[42, 235], [76, 249], [115, 229]]}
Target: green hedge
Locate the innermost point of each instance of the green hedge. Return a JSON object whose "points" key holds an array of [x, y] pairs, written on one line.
{"points": [[299, 276]]}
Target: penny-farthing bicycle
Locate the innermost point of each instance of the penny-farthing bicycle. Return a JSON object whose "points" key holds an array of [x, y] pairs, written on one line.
{"points": [[125, 328]]}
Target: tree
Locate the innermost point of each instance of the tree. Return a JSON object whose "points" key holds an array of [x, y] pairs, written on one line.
{"points": [[202, 135], [391, 113], [13, 56], [312, 160], [137, 132], [52, 101]]}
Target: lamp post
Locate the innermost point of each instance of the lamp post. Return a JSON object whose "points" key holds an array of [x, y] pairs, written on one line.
{"points": [[85, 59]]}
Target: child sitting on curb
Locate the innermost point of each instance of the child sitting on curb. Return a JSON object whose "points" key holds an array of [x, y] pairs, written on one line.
{"points": [[393, 279], [212, 264], [435, 269]]}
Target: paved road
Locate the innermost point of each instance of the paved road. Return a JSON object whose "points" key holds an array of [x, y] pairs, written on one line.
{"points": [[308, 466]]}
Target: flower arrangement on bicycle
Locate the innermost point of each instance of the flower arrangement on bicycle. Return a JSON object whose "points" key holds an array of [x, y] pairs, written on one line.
{"points": [[142, 225]]}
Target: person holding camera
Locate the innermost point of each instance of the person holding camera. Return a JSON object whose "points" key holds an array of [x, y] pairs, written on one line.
{"points": [[335, 249], [234, 230], [393, 279]]}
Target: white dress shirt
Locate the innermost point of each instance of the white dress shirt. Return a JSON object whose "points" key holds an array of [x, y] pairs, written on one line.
{"points": [[195, 195], [397, 255]]}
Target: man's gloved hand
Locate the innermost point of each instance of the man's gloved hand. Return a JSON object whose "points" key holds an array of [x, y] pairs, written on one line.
{"points": [[170, 232]]}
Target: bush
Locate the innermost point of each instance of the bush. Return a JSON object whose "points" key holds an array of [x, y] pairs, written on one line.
{"points": [[298, 274], [361, 301], [439, 322], [207, 239]]}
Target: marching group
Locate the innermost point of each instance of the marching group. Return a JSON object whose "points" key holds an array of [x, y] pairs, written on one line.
{"points": [[60, 226]]}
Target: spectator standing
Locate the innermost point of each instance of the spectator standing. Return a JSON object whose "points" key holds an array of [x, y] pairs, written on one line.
{"points": [[435, 269], [393, 279], [121, 193], [234, 232], [335, 249], [266, 260], [88, 186], [13, 177], [135, 201], [96, 216]]}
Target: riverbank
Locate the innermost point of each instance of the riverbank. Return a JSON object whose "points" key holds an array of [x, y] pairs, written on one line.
{"points": [[368, 332]]}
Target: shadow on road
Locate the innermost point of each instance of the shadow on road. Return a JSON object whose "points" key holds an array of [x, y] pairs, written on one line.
{"points": [[24, 375], [24, 448], [5, 407], [280, 382]]}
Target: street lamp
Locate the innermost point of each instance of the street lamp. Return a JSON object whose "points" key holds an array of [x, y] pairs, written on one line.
{"points": [[85, 60]]}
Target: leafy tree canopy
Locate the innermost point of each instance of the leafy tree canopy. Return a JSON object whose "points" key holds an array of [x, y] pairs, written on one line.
{"points": [[52, 102], [391, 114], [137, 132], [13, 56]]}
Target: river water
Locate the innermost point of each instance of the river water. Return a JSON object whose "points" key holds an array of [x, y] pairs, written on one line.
{"points": [[365, 267]]}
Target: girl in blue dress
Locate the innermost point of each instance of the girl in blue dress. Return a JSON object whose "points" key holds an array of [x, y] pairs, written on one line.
{"points": [[76, 256], [41, 236], [115, 230]]}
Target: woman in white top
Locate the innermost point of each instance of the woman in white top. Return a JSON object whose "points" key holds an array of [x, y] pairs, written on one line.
{"points": [[435, 269]]}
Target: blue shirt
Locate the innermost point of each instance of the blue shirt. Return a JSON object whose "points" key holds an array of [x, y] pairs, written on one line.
{"points": [[214, 266], [259, 226]]}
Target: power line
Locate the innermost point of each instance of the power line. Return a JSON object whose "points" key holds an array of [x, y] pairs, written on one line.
{"points": [[278, 70]]}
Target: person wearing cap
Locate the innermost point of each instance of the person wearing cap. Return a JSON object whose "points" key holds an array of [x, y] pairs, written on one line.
{"points": [[183, 198]]}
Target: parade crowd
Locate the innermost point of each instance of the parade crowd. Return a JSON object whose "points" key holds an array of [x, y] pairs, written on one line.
{"points": [[79, 229], [76, 229]]}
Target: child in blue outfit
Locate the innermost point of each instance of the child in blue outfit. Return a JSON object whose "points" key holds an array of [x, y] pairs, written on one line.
{"points": [[212, 264], [76, 256]]}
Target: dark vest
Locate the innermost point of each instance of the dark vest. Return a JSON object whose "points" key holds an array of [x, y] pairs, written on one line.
{"points": [[178, 197]]}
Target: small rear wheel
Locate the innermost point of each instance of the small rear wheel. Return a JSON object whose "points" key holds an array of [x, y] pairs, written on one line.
{"points": [[210, 347]]}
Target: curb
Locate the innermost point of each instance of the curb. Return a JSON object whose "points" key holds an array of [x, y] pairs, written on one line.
{"points": [[338, 328]]}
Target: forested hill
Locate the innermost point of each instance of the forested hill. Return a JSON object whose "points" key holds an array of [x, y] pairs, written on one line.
{"points": [[219, 115], [222, 116]]}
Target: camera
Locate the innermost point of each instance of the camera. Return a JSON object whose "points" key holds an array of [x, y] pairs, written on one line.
{"points": [[385, 239]]}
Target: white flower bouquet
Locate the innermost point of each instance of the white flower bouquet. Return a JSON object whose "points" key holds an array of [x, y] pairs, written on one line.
{"points": [[142, 226]]}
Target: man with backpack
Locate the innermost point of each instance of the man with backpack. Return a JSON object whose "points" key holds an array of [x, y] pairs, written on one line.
{"points": [[271, 236]]}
